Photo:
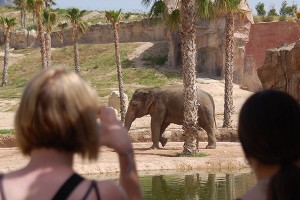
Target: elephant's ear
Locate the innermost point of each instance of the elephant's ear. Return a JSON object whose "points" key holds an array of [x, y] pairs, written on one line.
{"points": [[148, 101]]}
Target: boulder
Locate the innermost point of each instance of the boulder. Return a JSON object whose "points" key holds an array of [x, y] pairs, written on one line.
{"points": [[114, 100], [22, 39], [281, 69]]}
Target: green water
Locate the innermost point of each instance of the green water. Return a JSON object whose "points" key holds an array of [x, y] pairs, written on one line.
{"points": [[197, 186]]}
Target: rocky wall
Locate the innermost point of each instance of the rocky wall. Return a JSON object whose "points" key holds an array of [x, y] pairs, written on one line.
{"points": [[264, 36], [281, 69], [136, 31]]}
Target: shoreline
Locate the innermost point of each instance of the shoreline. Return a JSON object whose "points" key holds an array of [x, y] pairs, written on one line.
{"points": [[228, 157]]}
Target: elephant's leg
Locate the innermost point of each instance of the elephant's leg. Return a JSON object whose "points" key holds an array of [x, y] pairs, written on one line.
{"points": [[210, 136], [207, 122], [162, 139], [155, 132]]}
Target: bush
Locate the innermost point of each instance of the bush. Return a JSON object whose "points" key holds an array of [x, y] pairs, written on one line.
{"points": [[269, 18], [31, 27]]}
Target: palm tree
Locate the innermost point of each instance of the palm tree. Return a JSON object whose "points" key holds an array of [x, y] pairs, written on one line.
{"points": [[39, 7], [228, 7], [170, 16], [7, 24], [48, 21], [21, 5], [114, 18], [188, 50], [75, 16], [188, 12]]}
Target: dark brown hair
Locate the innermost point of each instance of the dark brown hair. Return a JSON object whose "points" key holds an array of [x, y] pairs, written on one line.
{"points": [[269, 130]]}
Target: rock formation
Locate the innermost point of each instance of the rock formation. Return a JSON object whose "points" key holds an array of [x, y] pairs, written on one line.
{"points": [[114, 101], [281, 69]]}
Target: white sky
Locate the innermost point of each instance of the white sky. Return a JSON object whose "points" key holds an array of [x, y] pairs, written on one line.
{"points": [[135, 5]]}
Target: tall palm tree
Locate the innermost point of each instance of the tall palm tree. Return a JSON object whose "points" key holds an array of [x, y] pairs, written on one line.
{"points": [[228, 7], [39, 8], [7, 24], [75, 16], [170, 16], [49, 20], [188, 50], [114, 18], [21, 5], [188, 12]]}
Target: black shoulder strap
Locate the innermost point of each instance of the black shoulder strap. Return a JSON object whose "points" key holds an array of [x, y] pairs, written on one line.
{"points": [[92, 185], [66, 189]]}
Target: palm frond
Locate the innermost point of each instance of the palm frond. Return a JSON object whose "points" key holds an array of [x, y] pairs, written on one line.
{"points": [[82, 27], [158, 9], [205, 9], [147, 3], [173, 19], [113, 16], [8, 22], [225, 6], [62, 25], [49, 19]]}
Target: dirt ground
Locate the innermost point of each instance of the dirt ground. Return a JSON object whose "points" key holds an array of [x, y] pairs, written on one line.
{"points": [[227, 156]]}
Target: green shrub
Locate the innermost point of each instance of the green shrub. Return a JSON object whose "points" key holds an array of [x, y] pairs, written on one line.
{"points": [[6, 131]]}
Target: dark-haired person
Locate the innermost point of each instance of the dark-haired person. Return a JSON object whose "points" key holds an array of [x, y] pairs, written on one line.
{"points": [[57, 118], [269, 131]]}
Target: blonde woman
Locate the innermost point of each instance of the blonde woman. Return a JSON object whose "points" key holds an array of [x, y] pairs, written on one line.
{"points": [[55, 120]]}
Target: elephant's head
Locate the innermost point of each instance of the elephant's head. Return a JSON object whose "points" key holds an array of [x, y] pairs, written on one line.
{"points": [[139, 105]]}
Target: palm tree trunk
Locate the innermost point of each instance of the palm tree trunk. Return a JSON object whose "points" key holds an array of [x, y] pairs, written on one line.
{"points": [[42, 38], [76, 52], [188, 48], [228, 97], [22, 18], [6, 56], [48, 48], [173, 49], [119, 72], [33, 17], [24, 22]]}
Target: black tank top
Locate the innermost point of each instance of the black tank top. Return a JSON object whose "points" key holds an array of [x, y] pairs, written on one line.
{"points": [[66, 189]]}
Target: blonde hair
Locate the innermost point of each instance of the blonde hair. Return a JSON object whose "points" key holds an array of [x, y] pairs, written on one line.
{"points": [[58, 111]]}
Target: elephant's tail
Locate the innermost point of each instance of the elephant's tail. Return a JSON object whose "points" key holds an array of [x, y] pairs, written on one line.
{"points": [[214, 109]]}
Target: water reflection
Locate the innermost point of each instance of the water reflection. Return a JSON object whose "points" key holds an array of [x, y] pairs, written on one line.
{"points": [[197, 186]]}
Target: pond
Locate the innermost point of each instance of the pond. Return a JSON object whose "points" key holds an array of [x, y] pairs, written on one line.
{"points": [[197, 186]]}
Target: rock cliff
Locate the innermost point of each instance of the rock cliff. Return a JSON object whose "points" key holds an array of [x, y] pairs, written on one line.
{"points": [[281, 69]]}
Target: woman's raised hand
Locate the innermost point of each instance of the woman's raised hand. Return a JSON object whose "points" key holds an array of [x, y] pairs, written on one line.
{"points": [[112, 132]]}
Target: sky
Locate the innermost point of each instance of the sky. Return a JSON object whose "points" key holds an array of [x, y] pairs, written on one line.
{"points": [[135, 5]]}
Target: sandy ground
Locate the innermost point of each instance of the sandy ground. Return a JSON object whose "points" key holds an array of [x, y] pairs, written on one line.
{"points": [[227, 157]]}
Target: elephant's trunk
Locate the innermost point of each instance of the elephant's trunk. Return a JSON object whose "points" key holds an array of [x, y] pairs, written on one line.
{"points": [[129, 118]]}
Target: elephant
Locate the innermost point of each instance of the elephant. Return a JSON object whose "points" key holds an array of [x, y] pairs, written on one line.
{"points": [[165, 106]]}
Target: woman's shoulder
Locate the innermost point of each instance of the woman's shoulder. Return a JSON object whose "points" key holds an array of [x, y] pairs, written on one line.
{"points": [[110, 190], [258, 192]]}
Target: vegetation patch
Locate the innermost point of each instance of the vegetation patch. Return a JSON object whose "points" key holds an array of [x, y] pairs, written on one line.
{"points": [[199, 154], [97, 62], [6, 131], [155, 60]]}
